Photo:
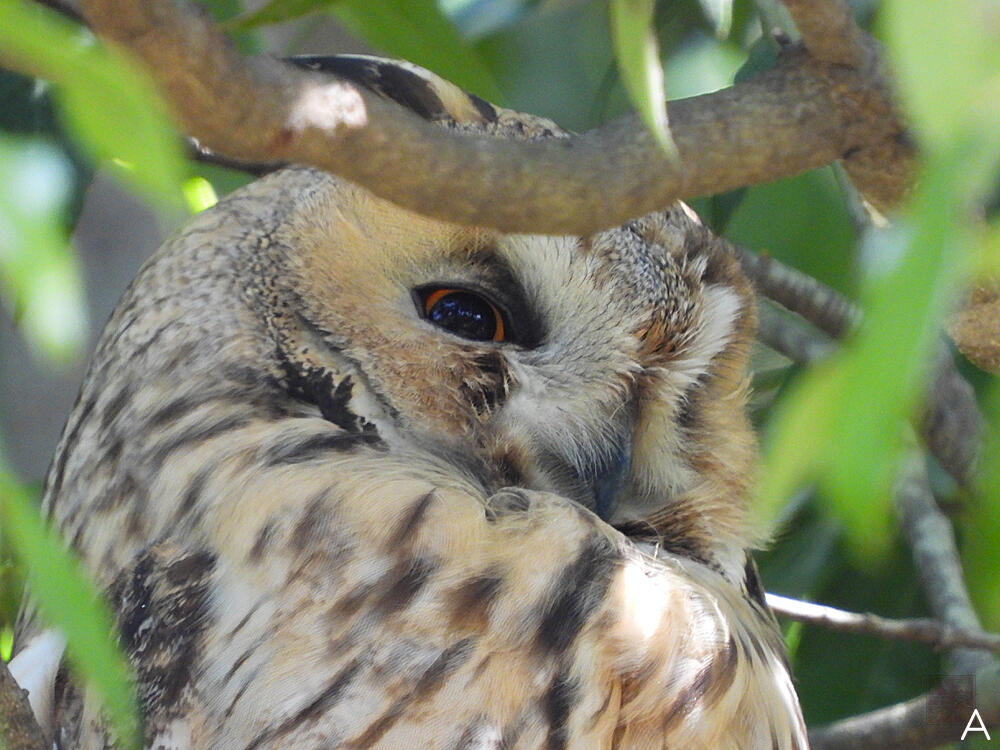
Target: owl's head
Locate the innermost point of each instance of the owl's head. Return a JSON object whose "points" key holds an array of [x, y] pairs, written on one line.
{"points": [[609, 369]]}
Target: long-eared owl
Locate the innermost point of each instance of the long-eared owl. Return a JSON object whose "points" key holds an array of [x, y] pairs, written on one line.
{"points": [[356, 478]]}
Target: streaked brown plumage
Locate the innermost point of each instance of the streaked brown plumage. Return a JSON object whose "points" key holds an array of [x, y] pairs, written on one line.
{"points": [[326, 521]]}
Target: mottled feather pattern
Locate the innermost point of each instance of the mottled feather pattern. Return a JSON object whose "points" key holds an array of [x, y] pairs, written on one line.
{"points": [[324, 522]]}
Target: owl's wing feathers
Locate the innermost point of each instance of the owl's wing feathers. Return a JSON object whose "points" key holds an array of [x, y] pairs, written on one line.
{"points": [[425, 610]]}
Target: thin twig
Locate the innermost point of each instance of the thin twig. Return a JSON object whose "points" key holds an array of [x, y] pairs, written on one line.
{"points": [[822, 306], [200, 153], [935, 555], [951, 423], [789, 335], [923, 723], [921, 630], [939, 716]]}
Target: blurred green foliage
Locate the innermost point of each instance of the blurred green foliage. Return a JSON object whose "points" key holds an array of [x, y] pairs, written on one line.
{"points": [[39, 276], [637, 50], [832, 434], [68, 600], [108, 105]]}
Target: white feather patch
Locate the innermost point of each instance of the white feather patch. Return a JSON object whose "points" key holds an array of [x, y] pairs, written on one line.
{"points": [[34, 669]]}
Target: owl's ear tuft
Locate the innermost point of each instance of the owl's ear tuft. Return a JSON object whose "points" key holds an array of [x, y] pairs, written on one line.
{"points": [[716, 263], [720, 321], [728, 310]]}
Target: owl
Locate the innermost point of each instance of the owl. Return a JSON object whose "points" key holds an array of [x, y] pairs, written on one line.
{"points": [[356, 478]]}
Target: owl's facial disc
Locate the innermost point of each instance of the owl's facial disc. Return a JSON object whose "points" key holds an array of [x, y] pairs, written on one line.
{"points": [[606, 369], [474, 316]]}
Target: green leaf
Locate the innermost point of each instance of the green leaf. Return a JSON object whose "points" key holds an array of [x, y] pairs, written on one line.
{"points": [[40, 278], [981, 524], [720, 14], [700, 65], [6, 642], [762, 55], [417, 30], [477, 18], [785, 218], [867, 393], [946, 90], [199, 194], [853, 410], [110, 105], [68, 601], [795, 443], [638, 54], [277, 11]]}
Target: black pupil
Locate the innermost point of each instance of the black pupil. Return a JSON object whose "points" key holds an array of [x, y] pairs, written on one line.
{"points": [[465, 314]]}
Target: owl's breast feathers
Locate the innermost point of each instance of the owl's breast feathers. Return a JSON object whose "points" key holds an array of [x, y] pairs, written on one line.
{"points": [[295, 561]]}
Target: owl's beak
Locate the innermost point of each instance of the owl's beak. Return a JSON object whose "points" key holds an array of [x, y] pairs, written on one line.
{"points": [[608, 480]]}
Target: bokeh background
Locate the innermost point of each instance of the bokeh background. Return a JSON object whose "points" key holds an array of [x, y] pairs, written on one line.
{"points": [[552, 58]]}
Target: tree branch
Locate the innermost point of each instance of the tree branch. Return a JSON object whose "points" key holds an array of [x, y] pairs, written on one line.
{"points": [[880, 170], [791, 336], [941, 715], [920, 630], [926, 722], [200, 153], [825, 308], [19, 729], [935, 555], [950, 423], [829, 32], [800, 115]]}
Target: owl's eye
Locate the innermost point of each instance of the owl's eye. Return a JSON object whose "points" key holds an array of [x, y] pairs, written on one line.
{"points": [[464, 313]]}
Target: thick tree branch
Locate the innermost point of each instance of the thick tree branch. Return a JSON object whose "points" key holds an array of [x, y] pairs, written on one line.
{"points": [[18, 728], [803, 114], [829, 32], [879, 170], [920, 630]]}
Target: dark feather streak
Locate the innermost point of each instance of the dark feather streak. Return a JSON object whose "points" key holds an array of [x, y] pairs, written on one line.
{"points": [[317, 446], [557, 704], [429, 683], [404, 582], [578, 592], [327, 698], [411, 521]]}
